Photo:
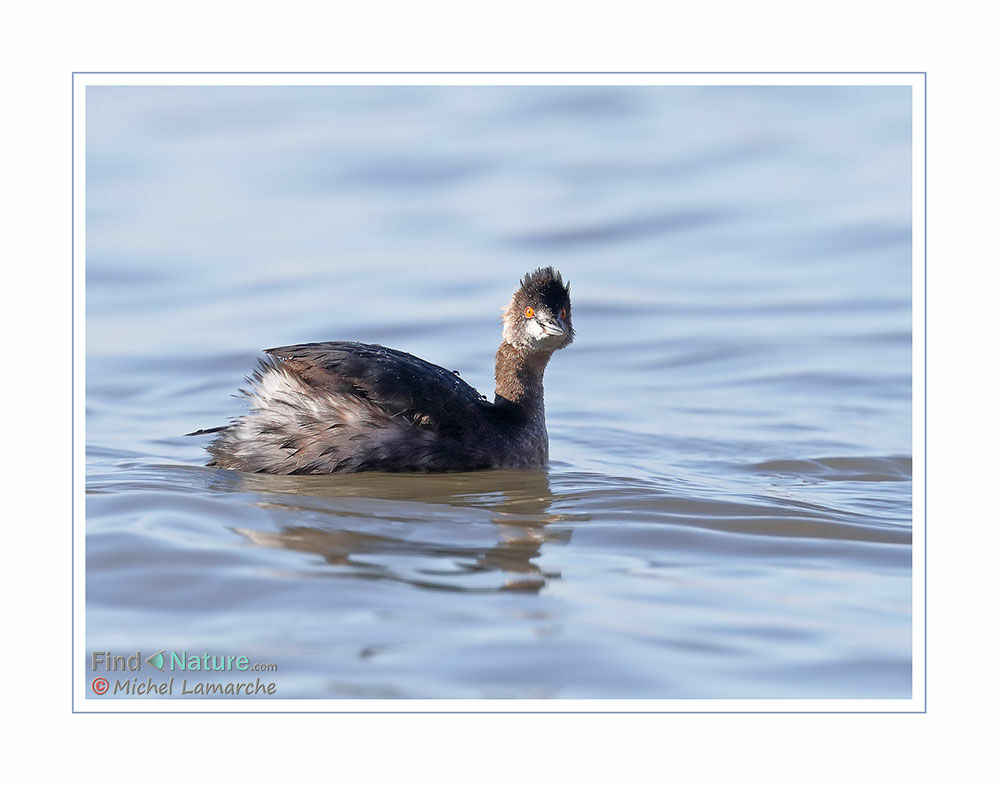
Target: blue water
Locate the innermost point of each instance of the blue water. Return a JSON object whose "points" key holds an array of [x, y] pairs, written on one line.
{"points": [[727, 513]]}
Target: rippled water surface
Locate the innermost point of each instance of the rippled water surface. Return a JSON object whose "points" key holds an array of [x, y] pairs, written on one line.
{"points": [[727, 513]]}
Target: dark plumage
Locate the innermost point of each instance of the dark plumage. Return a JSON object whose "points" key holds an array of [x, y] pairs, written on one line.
{"points": [[340, 406]]}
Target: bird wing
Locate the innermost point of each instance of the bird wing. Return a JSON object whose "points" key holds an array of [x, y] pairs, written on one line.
{"points": [[397, 382]]}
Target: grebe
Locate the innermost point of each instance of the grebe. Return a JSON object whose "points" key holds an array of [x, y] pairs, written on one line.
{"points": [[340, 406]]}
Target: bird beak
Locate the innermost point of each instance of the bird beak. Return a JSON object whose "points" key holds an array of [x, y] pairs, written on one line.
{"points": [[552, 328]]}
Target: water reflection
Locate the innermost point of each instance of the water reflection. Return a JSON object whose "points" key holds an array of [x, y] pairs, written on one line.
{"points": [[488, 541]]}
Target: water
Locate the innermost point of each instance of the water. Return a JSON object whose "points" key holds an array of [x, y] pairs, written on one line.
{"points": [[727, 513]]}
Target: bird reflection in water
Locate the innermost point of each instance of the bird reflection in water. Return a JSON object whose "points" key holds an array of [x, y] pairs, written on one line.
{"points": [[467, 532]]}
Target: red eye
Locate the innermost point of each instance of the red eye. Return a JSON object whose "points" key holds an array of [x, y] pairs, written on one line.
{"points": [[562, 315], [529, 312]]}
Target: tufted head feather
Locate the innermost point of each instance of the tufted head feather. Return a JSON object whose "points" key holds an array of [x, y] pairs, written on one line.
{"points": [[544, 287]]}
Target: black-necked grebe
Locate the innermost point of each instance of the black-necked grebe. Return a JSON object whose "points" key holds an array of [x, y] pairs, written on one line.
{"points": [[339, 406]]}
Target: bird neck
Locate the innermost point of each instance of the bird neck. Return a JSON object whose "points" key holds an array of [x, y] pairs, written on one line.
{"points": [[519, 378]]}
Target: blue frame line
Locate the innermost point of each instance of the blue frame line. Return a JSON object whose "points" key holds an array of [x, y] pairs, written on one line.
{"points": [[74, 709], [501, 73]]}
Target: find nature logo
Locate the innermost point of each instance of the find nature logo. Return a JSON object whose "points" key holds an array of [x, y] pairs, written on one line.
{"points": [[209, 677]]}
